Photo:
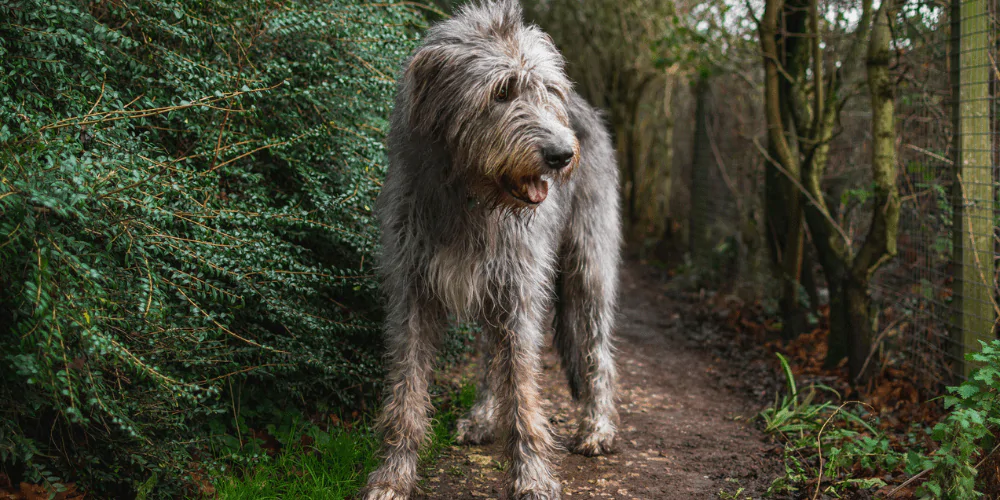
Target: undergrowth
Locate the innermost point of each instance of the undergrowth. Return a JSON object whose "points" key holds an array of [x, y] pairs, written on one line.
{"points": [[315, 463], [325, 463], [967, 431], [836, 449], [827, 446]]}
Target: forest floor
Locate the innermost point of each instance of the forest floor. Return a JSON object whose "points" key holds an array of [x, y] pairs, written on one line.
{"points": [[686, 414]]}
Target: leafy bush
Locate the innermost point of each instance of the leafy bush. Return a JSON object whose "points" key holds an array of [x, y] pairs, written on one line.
{"points": [[185, 206], [975, 416]]}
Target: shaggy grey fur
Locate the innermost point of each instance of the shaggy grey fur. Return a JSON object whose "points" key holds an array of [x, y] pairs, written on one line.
{"points": [[501, 196]]}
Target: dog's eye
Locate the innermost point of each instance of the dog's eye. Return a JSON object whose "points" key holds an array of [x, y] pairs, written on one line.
{"points": [[502, 93]]}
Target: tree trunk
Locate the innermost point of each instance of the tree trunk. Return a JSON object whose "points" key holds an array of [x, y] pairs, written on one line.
{"points": [[850, 323], [633, 87], [809, 280], [667, 179], [849, 274], [838, 342], [794, 316], [776, 184], [859, 317], [973, 188], [630, 160], [775, 217], [786, 159]]}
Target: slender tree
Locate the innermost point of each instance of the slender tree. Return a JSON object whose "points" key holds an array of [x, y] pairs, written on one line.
{"points": [[804, 95], [784, 69]]}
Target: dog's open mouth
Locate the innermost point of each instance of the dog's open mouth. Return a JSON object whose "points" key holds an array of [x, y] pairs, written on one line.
{"points": [[531, 190]]}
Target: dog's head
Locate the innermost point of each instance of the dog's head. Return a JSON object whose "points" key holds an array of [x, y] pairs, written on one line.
{"points": [[493, 91]]}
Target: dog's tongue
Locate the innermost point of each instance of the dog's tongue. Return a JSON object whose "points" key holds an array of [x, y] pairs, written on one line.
{"points": [[536, 190]]}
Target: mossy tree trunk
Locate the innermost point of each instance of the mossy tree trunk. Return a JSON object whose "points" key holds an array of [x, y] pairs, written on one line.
{"points": [[796, 86], [849, 272]]}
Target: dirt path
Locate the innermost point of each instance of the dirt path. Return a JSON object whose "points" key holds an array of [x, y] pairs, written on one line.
{"points": [[683, 435]]}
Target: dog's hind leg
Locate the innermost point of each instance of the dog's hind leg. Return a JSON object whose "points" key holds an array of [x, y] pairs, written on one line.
{"points": [[587, 286], [567, 344], [589, 257], [413, 327], [585, 309], [479, 426]]}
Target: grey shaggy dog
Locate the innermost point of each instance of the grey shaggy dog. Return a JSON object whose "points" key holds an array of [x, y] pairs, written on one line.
{"points": [[500, 202]]}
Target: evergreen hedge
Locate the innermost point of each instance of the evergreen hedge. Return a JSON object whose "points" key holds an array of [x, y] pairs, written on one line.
{"points": [[185, 206]]}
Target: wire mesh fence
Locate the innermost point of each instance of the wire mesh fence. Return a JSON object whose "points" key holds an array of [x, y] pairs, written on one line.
{"points": [[937, 298], [974, 189]]}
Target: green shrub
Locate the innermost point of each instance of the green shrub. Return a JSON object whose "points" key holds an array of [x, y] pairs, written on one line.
{"points": [[967, 430], [185, 205]]}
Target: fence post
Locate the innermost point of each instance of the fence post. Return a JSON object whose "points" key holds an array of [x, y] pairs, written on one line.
{"points": [[701, 163], [973, 199]]}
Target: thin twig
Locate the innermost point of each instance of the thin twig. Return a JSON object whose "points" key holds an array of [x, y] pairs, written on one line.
{"points": [[217, 324], [805, 192], [122, 114], [910, 480], [929, 153], [875, 344]]}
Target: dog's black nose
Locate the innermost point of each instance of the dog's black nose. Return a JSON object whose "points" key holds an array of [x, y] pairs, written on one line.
{"points": [[557, 157]]}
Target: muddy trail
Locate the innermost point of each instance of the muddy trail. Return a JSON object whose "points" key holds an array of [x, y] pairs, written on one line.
{"points": [[686, 410]]}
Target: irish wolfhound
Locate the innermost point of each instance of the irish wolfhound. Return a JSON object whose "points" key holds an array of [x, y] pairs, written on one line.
{"points": [[501, 195]]}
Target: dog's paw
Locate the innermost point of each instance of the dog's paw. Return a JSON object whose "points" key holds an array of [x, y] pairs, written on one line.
{"points": [[548, 489], [473, 431], [379, 492], [595, 437], [536, 495]]}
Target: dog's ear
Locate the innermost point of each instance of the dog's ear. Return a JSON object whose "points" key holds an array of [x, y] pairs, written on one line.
{"points": [[423, 76]]}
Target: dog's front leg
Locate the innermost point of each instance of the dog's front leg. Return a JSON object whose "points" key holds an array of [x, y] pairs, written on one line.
{"points": [[529, 440], [412, 330]]}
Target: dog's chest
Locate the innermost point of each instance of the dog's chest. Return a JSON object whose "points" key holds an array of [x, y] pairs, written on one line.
{"points": [[492, 259]]}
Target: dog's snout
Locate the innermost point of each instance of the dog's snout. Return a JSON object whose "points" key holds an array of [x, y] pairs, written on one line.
{"points": [[557, 157]]}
